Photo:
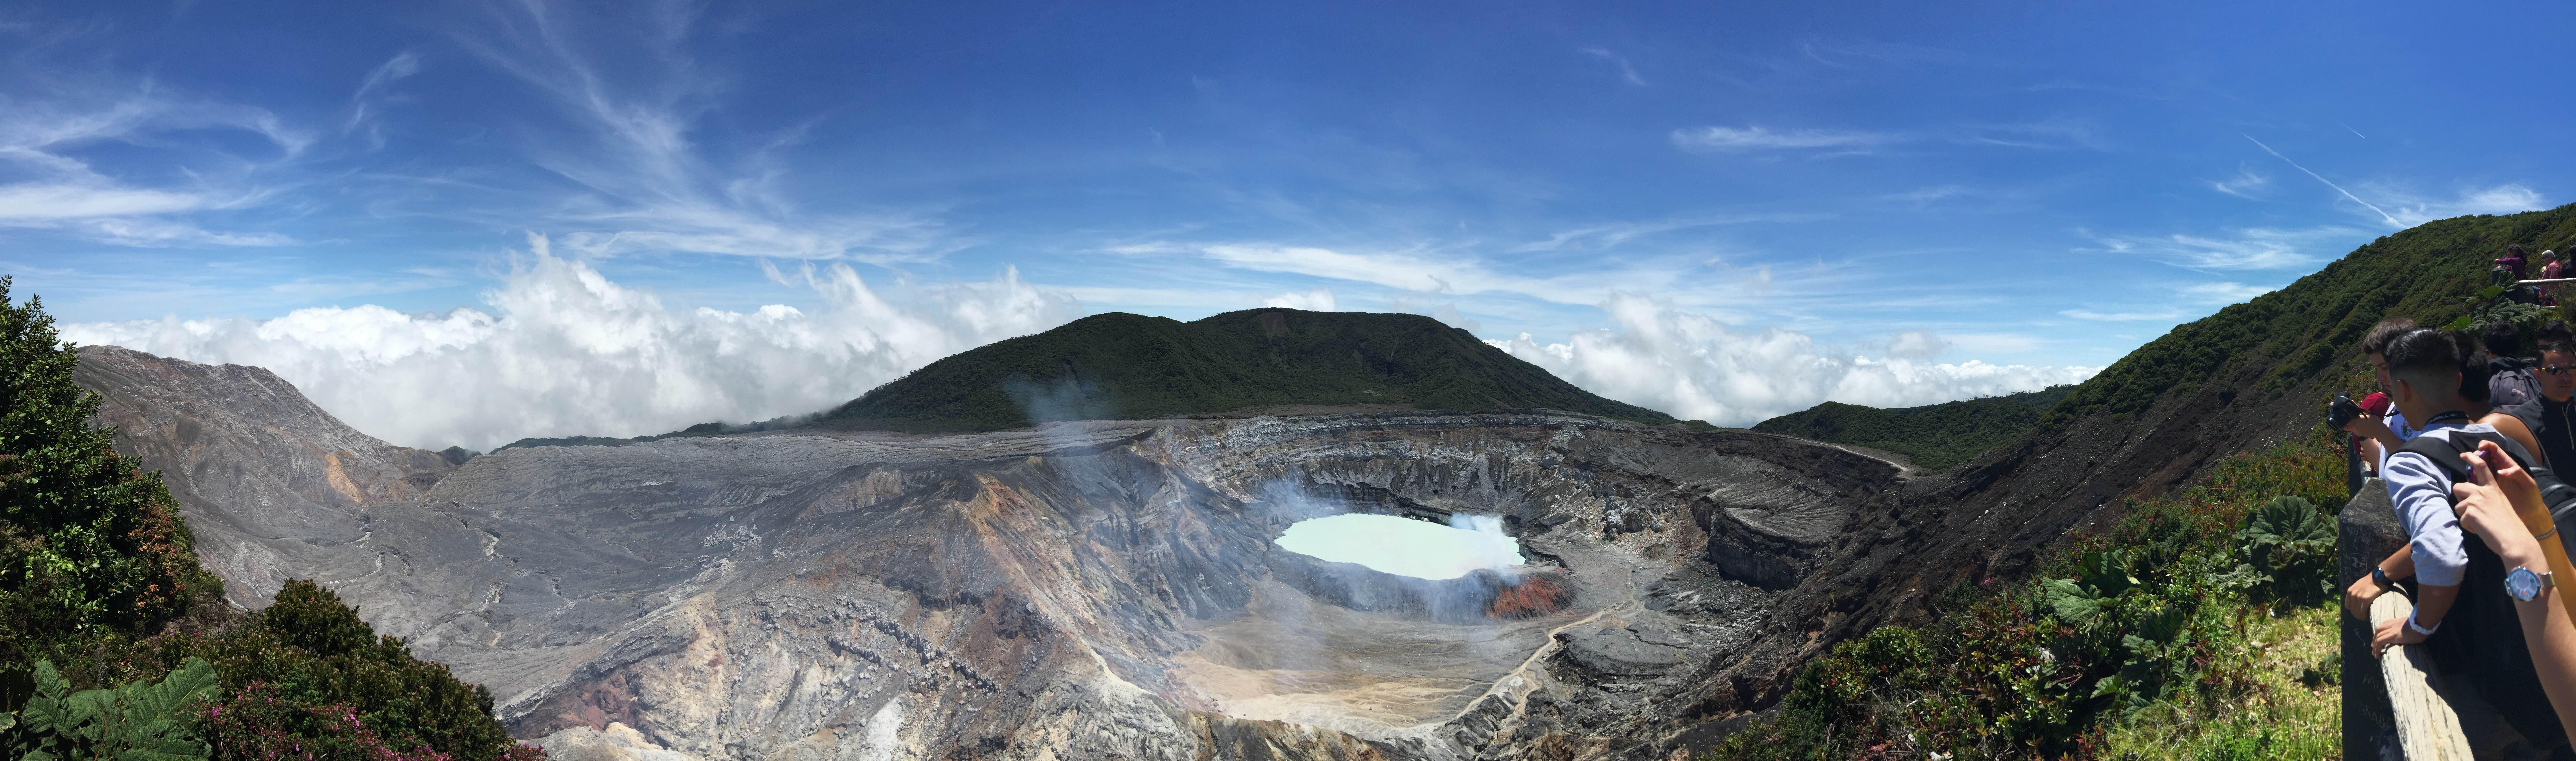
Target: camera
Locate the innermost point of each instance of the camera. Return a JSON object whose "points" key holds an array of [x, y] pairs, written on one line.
{"points": [[2342, 412]]}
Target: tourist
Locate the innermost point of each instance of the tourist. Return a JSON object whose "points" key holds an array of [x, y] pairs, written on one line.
{"points": [[2512, 260], [2549, 416], [2459, 603], [2550, 269], [2509, 378]]}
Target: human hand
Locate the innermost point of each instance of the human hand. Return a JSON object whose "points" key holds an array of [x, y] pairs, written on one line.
{"points": [[2485, 503], [2369, 426], [2358, 597], [2392, 632]]}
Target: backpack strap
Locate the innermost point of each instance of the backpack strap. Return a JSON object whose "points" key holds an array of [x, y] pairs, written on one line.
{"points": [[2445, 453], [2445, 450]]}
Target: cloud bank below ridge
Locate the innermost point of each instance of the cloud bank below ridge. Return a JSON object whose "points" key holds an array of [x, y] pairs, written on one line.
{"points": [[561, 350], [1692, 366], [565, 351]]}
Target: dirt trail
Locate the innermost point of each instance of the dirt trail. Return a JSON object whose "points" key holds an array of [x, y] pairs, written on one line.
{"points": [[1505, 683]]}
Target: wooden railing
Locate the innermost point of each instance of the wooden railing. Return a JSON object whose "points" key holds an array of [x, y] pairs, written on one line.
{"points": [[2427, 728]]}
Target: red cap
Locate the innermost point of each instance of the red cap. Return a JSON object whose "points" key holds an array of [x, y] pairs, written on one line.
{"points": [[2376, 403]]}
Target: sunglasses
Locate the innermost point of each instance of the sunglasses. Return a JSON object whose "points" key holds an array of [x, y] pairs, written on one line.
{"points": [[2558, 369]]}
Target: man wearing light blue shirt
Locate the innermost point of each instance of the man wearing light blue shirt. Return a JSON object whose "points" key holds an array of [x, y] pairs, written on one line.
{"points": [[2424, 374]]}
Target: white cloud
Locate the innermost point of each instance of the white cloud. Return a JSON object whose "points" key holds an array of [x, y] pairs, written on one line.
{"points": [[1693, 366], [649, 184], [1917, 344], [2253, 248], [1756, 137], [1626, 72], [2087, 314], [2225, 293], [2408, 209], [49, 201], [2400, 208], [2245, 184], [2045, 134], [1318, 300], [565, 351], [48, 118]]}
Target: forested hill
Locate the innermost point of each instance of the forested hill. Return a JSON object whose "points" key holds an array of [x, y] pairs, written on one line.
{"points": [[1125, 366], [1935, 436], [2252, 376]]}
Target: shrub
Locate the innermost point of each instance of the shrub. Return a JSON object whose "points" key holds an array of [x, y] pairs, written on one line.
{"points": [[307, 658], [91, 548], [140, 721]]}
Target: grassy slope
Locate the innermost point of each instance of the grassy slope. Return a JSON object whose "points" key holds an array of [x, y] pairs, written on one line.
{"points": [[1120, 365], [2300, 332], [1936, 436], [2252, 373]]}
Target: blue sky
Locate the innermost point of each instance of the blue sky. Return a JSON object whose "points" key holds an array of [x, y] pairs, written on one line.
{"points": [[1708, 193]]}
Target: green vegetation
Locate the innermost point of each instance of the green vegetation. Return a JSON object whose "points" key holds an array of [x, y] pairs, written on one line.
{"points": [[114, 642], [140, 721], [2199, 626], [2302, 330], [1936, 437], [1120, 365]]}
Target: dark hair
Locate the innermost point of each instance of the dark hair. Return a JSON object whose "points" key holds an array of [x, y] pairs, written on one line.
{"points": [[2503, 340], [2556, 337], [2474, 371], [2513, 249], [2376, 341], [2425, 358]]}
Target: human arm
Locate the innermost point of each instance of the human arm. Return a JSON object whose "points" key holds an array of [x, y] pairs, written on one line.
{"points": [[2374, 428], [2512, 428], [2431, 603], [2358, 597], [2486, 507]]}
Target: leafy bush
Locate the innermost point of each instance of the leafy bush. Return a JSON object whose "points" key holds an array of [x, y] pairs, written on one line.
{"points": [[311, 669], [140, 721], [2286, 551], [2151, 621], [91, 548]]}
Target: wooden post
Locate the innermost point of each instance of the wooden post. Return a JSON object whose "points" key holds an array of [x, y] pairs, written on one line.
{"points": [[2427, 729]]}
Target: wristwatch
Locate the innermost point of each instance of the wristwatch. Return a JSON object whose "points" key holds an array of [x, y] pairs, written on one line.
{"points": [[2525, 585], [2379, 576]]}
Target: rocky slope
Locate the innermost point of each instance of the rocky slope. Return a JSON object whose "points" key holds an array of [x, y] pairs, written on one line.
{"points": [[1082, 590]]}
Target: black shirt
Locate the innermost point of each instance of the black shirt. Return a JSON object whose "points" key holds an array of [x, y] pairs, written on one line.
{"points": [[2553, 423]]}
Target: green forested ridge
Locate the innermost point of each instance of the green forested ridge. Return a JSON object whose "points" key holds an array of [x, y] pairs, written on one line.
{"points": [[1936, 436], [1121, 365], [108, 624], [2299, 331], [2221, 647]]}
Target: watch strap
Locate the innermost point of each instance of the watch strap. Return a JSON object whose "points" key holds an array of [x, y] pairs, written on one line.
{"points": [[2419, 629], [2379, 576]]}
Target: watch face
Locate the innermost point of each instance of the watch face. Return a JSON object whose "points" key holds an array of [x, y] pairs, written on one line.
{"points": [[2522, 584]]}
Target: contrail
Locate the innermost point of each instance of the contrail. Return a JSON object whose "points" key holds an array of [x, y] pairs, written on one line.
{"points": [[2321, 178], [2348, 128]]}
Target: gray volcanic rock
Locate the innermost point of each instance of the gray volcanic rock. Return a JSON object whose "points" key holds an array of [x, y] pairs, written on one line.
{"points": [[1091, 590], [272, 486]]}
